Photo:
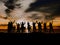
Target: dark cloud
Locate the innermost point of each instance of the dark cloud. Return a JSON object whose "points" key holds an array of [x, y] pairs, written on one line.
{"points": [[46, 6], [39, 3], [53, 10], [10, 4]]}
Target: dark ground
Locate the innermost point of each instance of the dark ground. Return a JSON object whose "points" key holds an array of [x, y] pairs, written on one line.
{"points": [[30, 36]]}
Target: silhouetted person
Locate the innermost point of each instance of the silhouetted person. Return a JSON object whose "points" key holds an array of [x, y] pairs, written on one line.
{"points": [[22, 27], [14, 29], [34, 27], [18, 28], [39, 27], [29, 27], [10, 26], [45, 28], [51, 28]]}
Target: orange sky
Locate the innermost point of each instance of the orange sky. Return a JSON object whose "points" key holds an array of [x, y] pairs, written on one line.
{"points": [[56, 21]]}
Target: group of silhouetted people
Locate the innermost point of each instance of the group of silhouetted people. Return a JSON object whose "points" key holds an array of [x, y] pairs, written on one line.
{"points": [[21, 27], [10, 26], [50, 27]]}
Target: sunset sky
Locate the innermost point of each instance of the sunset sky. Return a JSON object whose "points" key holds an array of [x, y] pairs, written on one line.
{"points": [[30, 10]]}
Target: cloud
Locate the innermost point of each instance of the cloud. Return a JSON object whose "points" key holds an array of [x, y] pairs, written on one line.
{"points": [[16, 8], [49, 6], [46, 6], [33, 9], [2, 9]]}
